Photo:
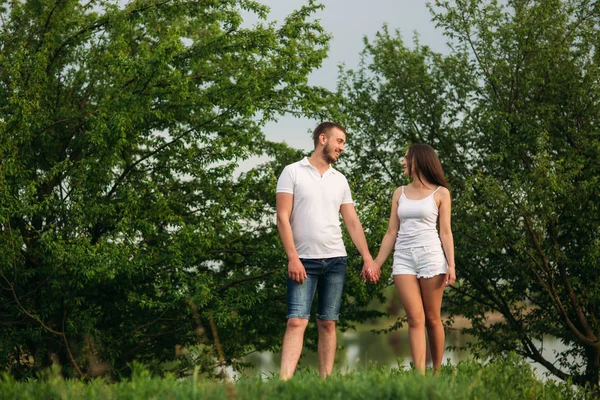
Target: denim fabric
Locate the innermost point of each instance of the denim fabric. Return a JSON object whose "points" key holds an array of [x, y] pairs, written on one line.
{"points": [[326, 278]]}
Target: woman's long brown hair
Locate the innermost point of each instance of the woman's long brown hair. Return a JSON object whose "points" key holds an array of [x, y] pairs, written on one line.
{"points": [[427, 164]]}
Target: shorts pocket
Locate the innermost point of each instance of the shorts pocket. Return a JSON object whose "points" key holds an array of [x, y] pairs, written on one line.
{"points": [[434, 250]]}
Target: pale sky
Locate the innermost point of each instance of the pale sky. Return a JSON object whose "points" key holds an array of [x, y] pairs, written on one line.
{"points": [[348, 21]]}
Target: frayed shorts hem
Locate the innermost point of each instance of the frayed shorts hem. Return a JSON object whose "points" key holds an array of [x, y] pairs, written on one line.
{"points": [[298, 316], [328, 317], [321, 317], [424, 276]]}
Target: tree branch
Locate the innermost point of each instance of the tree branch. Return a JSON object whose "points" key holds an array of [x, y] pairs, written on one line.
{"points": [[588, 332], [131, 167], [144, 325]]}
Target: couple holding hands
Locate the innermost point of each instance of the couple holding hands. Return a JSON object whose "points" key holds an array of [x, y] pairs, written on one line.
{"points": [[311, 195]]}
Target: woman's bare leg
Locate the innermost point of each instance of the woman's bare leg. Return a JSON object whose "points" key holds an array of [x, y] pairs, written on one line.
{"points": [[410, 294], [432, 290]]}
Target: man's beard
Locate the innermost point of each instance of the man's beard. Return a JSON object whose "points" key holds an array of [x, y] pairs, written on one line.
{"points": [[327, 154]]}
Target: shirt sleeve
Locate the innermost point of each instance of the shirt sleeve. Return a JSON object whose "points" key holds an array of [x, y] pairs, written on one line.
{"points": [[347, 197], [285, 184]]}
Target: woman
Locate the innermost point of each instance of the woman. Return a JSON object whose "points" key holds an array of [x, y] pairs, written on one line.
{"points": [[423, 260]]}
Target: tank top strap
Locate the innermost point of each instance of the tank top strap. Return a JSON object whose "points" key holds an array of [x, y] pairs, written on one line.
{"points": [[402, 189], [438, 188]]}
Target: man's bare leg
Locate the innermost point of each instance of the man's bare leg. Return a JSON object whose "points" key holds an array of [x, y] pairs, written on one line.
{"points": [[292, 347], [327, 346]]}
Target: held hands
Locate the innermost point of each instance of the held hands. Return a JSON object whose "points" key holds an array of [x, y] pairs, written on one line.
{"points": [[450, 276], [296, 271], [371, 271]]}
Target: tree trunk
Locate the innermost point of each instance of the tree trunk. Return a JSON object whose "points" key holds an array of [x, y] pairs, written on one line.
{"points": [[592, 371]]}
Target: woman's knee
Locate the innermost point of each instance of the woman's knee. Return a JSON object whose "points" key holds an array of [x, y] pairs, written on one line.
{"points": [[433, 321], [416, 321]]}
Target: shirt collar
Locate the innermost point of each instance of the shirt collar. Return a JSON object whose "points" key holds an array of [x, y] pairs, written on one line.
{"points": [[304, 162]]}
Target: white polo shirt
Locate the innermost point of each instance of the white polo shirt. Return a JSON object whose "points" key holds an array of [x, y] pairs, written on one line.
{"points": [[315, 215]]}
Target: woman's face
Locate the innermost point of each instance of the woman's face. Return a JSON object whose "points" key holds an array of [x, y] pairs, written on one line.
{"points": [[405, 161]]}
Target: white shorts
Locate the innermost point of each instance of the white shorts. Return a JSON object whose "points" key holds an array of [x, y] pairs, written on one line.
{"points": [[424, 262]]}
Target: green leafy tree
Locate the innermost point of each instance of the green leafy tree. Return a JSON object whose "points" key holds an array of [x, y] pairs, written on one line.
{"points": [[528, 225], [513, 112], [123, 233]]}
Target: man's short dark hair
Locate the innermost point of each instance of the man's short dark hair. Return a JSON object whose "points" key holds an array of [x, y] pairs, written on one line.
{"points": [[325, 127]]}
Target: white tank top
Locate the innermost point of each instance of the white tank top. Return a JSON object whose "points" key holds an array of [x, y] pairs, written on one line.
{"points": [[418, 219]]}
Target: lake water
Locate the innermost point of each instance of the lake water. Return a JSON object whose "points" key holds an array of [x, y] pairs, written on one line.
{"points": [[360, 349]]}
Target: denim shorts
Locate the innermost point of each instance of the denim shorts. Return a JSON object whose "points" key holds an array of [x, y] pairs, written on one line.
{"points": [[326, 277], [424, 262]]}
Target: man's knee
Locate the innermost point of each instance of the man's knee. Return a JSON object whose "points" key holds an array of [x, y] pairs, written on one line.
{"points": [[297, 324], [326, 326]]}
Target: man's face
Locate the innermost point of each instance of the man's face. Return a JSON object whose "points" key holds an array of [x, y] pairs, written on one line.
{"points": [[334, 145]]}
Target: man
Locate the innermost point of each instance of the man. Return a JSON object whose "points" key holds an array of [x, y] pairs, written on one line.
{"points": [[310, 197]]}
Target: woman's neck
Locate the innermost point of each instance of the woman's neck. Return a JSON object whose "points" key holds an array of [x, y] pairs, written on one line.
{"points": [[422, 184]]}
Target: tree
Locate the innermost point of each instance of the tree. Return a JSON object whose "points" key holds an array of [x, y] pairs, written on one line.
{"points": [[529, 218], [513, 112], [123, 232]]}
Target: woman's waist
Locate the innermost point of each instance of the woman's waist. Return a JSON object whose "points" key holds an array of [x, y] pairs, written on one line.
{"points": [[418, 239]]}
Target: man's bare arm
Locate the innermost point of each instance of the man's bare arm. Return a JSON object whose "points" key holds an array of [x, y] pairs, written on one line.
{"points": [[285, 204], [355, 229]]}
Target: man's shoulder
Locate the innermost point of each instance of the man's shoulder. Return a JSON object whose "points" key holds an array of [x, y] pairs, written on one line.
{"points": [[337, 173], [296, 165], [289, 170]]}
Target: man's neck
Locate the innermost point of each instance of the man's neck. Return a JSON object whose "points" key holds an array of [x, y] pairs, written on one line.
{"points": [[317, 161]]}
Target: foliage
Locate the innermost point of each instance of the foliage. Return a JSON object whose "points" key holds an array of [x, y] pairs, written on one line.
{"points": [[513, 112], [123, 232], [529, 220], [509, 378]]}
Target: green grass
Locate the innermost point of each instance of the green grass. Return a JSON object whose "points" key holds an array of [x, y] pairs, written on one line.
{"points": [[509, 378]]}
